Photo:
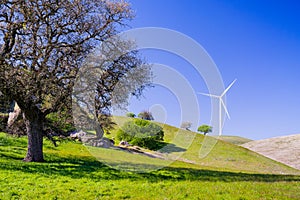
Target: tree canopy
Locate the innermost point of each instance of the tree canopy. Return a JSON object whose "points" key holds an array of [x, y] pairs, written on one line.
{"points": [[43, 44], [146, 115], [186, 125], [130, 114], [204, 129]]}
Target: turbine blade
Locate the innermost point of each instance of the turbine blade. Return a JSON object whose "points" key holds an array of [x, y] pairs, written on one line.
{"points": [[228, 88], [209, 95], [223, 104]]}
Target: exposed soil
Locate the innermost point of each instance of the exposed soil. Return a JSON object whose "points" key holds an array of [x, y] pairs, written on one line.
{"points": [[285, 149]]}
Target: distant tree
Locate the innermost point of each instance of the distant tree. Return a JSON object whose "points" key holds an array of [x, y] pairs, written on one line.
{"points": [[130, 114], [146, 115], [186, 125], [204, 129]]}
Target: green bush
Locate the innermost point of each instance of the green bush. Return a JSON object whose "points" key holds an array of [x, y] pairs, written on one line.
{"points": [[130, 114], [141, 133]]}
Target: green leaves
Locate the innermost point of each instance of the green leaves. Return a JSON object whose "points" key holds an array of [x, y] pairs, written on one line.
{"points": [[141, 133], [204, 129]]}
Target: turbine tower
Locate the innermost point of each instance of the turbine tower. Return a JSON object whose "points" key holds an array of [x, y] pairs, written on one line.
{"points": [[221, 103]]}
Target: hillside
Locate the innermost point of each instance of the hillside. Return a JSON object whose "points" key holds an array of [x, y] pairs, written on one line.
{"points": [[71, 172], [188, 146], [234, 139], [285, 149]]}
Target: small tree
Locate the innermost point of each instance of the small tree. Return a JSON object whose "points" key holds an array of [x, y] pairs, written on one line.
{"points": [[186, 125], [146, 115], [204, 129], [130, 114]]}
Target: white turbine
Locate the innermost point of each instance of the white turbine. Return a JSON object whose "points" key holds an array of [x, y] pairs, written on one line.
{"points": [[221, 103]]}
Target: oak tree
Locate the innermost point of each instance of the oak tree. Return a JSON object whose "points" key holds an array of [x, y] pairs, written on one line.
{"points": [[204, 129], [43, 43]]}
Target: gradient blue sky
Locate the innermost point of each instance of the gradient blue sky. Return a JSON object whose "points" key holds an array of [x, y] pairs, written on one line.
{"points": [[257, 42]]}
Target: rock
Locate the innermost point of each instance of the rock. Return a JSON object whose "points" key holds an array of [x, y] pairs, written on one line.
{"points": [[124, 143], [92, 140], [81, 136], [103, 142], [13, 116], [78, 134], [87, 138], [15, 122]]}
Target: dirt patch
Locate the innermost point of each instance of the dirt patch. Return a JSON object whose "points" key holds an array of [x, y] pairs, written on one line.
{"points": [[285, 149]]}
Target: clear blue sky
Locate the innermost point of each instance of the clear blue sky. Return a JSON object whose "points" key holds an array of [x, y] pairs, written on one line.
{"points": [[257, 42]]}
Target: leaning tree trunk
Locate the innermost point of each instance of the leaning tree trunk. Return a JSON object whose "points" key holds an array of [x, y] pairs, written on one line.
{"points": [[34, 121]]}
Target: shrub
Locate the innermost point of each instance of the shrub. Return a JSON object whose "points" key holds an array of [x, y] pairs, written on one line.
{"points": [[141, 133], [130, 114]]}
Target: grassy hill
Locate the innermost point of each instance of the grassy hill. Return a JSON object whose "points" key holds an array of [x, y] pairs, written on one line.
{"points": [[285, 149], [72, 171], [187, 146], [234, 139]]}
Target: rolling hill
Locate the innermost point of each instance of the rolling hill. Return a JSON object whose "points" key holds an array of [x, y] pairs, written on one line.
{"points": [[73, 171], [284, 149], [186, 146], [234, 139]]}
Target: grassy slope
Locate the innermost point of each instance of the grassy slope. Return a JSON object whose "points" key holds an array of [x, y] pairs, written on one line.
{"points": [[224, 156], [72, 173], [234, 139]]}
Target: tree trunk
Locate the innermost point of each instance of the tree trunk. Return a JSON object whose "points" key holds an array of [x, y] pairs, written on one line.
{"points": [[34, 125], [99, 131]]}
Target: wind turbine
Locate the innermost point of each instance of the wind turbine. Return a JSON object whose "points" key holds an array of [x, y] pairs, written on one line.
{"points": [[221, 103]]}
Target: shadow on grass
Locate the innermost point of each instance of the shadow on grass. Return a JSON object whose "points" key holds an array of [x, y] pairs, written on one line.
{"points": [[170, 148], [12, 151], [164, 147], [9, 140], [88, 167]]}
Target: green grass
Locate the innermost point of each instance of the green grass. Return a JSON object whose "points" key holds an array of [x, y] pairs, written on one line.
{"points": [[234, 139], [71, 172], [224, 156]]}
